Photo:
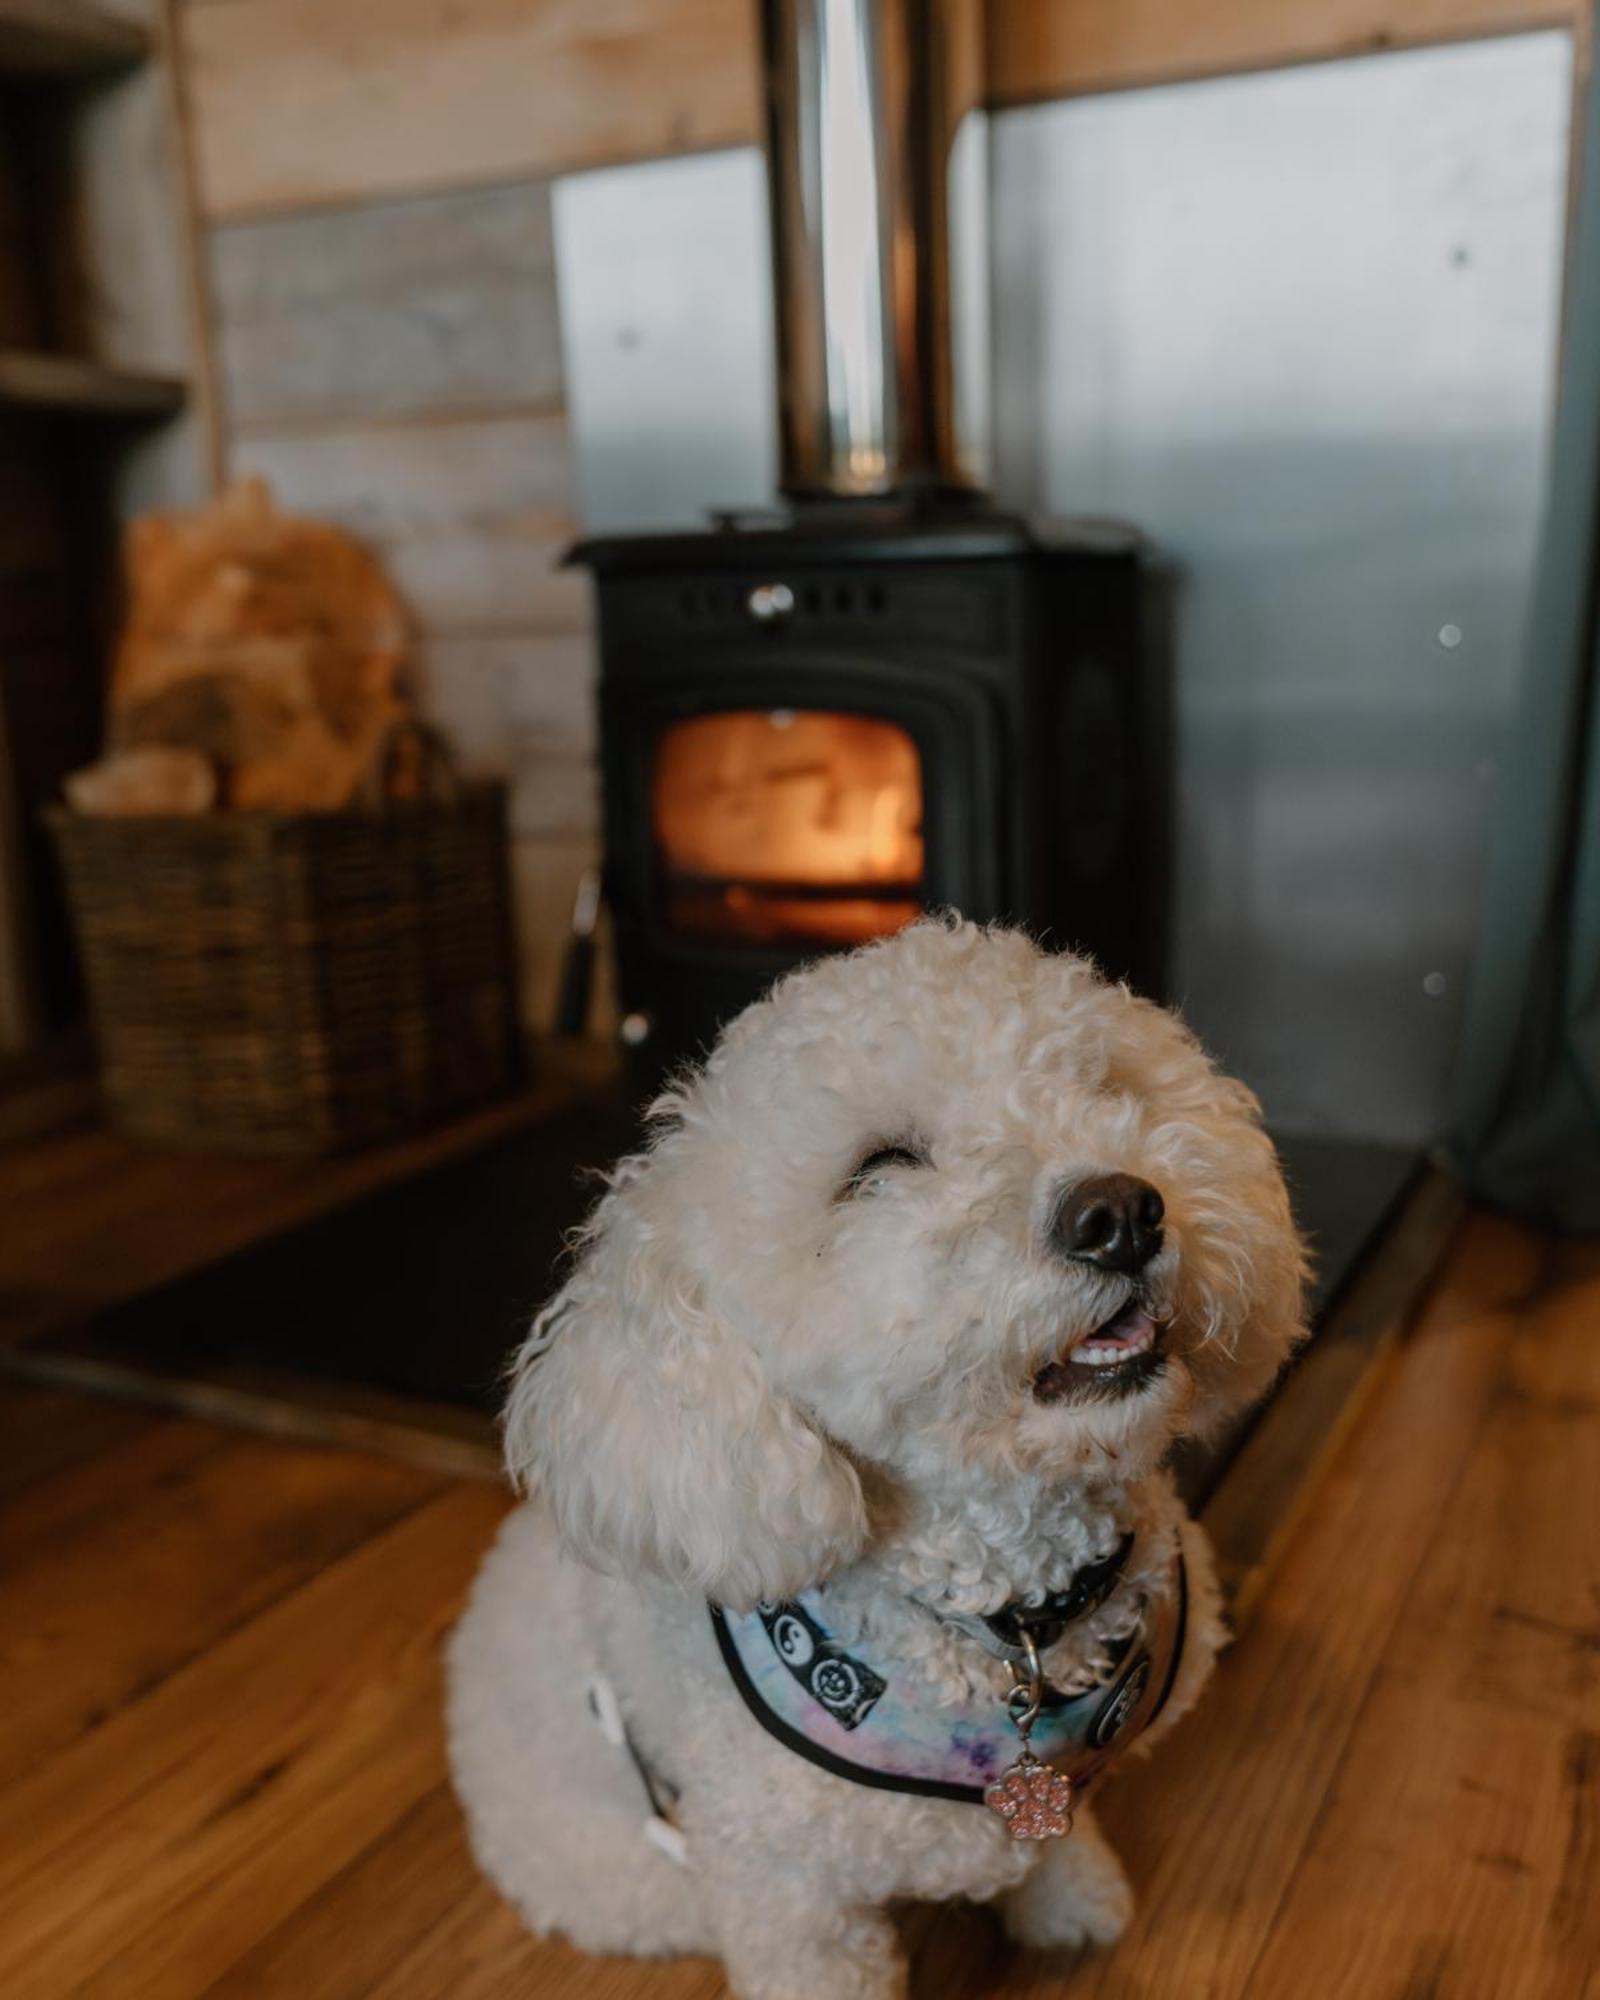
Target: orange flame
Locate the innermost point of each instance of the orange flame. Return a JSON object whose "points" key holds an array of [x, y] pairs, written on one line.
{"points": [[788, 826]]}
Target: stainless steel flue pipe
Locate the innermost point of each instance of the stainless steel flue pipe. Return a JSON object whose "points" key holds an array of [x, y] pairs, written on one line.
{"points": [[863, 102]]}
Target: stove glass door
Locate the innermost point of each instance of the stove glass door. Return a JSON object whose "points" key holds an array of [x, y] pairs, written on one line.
{"points": [[786, 827]]}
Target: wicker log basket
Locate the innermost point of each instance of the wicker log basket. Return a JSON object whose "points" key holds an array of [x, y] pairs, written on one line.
{"points": [[297, 983]]}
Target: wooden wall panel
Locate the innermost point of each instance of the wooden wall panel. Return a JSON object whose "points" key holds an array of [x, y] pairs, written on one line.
{"points": [[307, 101], [446, 302], [1062, 48], [470, 515], [521, 704], [302, 102]]}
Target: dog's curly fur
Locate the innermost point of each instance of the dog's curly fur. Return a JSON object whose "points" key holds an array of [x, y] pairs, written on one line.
{"points": [[764, 1374]]}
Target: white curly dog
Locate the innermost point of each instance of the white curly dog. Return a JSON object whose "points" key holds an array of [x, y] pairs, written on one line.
{"points": [[878, 1349]]}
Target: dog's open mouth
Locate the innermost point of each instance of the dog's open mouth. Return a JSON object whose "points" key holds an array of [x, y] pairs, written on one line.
{"points": [[1114, 1360]]}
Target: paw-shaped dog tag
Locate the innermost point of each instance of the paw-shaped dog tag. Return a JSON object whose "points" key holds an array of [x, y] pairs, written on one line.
{"points": [[1034, 1801]]}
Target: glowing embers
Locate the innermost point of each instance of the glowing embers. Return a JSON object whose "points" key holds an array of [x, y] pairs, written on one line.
{"points": [[787, 826]]}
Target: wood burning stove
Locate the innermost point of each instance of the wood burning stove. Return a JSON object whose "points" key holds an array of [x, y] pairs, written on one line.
{"points": [[812, 732], [892, 698]]}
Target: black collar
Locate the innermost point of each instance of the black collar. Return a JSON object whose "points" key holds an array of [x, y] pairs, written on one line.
{"points": [[1045, 1623]]}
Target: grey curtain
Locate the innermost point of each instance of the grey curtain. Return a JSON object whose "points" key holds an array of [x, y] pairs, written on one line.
{"points": [[1527, 1098]]}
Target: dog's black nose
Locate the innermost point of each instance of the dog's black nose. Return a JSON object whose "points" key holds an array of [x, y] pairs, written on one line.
{"points": [[1112, 1221]]}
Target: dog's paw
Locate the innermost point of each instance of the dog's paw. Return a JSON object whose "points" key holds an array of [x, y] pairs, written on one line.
{"points": [[1076, 1896]]}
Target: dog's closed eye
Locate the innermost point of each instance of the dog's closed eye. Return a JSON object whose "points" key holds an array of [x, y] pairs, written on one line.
{"points": [[874, 1169]]}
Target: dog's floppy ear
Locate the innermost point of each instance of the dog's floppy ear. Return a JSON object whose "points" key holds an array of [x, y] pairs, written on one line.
{"points": [[653, 1434]]}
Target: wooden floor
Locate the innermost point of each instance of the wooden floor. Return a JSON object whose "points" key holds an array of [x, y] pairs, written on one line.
{"points": [[220, 1761]]}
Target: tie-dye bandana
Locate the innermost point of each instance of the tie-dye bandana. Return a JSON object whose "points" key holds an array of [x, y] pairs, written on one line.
{"points": [[879, 1724]]}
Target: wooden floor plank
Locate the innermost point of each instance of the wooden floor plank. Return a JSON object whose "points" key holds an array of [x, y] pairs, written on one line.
{"points": [[45, 1432], [342, 1941], [56, 1519], [1460, 1848], [277, 1402], [150, 1856], [481, 1952], [143, 1558], [412, 1916], [1275, 1477]]}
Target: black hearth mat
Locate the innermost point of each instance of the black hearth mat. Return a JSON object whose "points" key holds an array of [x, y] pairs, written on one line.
{"points": [[422, 1287], [425, 1287]]}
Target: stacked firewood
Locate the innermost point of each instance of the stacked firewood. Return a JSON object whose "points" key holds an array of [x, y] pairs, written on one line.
{"points": [[259, 668]]}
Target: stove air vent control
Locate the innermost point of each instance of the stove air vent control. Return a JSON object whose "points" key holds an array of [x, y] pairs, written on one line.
{"points": [[769, 603]]}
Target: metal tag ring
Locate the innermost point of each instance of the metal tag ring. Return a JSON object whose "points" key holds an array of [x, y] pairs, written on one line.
{"points": [[1026, 1698]]}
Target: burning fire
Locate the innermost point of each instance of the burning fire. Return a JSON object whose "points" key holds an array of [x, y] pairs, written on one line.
{"points": [[788, 826]]}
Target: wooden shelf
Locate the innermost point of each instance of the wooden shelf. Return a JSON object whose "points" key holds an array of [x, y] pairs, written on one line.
{"points": [[64, 384], [66, 38]]}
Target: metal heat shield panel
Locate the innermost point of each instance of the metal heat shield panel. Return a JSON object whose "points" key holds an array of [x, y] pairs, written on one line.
{"points": [[666, 335], [1302, 328]]}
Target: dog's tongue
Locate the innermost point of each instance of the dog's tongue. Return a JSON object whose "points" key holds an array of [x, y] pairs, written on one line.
{"points": [[1132, 1327]]}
